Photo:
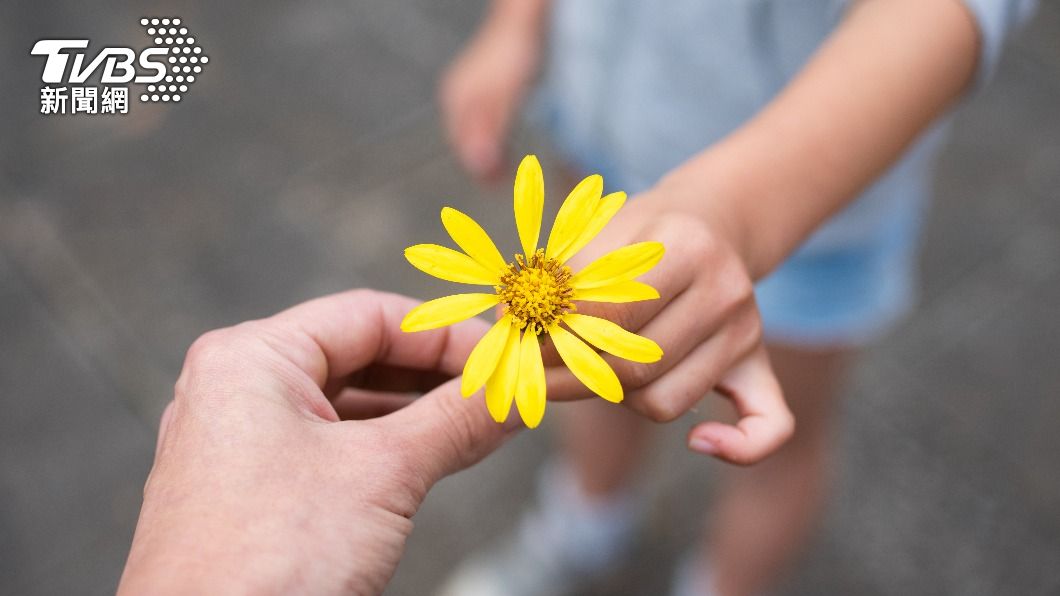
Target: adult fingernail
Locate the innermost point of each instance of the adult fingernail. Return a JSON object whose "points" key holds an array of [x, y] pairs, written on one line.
{"points": [[704, 446]]}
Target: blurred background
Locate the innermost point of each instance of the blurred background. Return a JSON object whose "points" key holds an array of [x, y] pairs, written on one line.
{"points": [[308, 155]]}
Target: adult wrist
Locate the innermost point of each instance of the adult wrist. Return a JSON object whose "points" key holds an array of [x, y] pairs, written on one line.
{"points": [[187, 545]]}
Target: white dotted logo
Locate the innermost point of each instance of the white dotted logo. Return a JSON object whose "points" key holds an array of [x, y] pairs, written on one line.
{"points": [[185, 59]]}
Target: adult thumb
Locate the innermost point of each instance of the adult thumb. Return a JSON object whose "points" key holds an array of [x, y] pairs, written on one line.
{"points": [[447, 433]]}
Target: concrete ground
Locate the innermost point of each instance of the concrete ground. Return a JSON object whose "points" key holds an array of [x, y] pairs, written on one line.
{"points": [[305, 159]]}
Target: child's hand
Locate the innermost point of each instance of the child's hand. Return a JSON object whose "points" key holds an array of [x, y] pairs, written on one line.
{"points": [[483, 89], [707, 324]]}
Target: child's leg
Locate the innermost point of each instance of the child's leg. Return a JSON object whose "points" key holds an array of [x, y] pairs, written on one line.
{"points": [[602, 445], [766, 512], [585, 514]]}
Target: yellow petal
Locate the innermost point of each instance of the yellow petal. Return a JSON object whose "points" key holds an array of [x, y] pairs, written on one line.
{"points": [[450, 265], [500, 388], [613, 339], [574, 214], [623, 291], [605, 210], [446, 311], [529, 202], [483, 359], [586, 364], [470, 236], [618, 265], [530, 389]]}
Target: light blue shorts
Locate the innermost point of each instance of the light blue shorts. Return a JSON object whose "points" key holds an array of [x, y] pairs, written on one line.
{"points": [[632, 89]]}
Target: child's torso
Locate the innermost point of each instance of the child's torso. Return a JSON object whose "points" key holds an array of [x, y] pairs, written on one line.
{"points": [[645, 85]]}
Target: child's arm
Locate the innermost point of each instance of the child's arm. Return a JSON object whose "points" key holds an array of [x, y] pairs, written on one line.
{"points": [[484, 88], [735, 211], [890, 69]]}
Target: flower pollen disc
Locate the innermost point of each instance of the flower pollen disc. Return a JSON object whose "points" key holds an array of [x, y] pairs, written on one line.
{"points": [[536, 292]]}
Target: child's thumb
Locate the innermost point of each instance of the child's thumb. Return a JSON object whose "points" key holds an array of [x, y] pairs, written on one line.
{"points": [[765, 422]]}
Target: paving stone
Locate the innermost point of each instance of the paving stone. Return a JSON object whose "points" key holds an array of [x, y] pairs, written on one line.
{"points": [[1040, 41], [998, 178], [310, 155], [938, 506], [73, 458], [459, 16]]}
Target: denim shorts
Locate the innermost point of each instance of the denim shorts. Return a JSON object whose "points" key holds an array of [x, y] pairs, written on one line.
{"points": [[632, 89]]}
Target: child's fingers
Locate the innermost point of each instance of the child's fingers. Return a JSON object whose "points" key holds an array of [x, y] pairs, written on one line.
{"points": [[695, 375], [678, 331], [765, 422], [450, 104], [474, 123], [462, 118], [473, 132], [459, 116], [665, 321], [480, 146], [681, 342], [689, 312], [670, 278]]}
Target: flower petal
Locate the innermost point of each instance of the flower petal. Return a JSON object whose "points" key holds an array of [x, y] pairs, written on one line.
{"points": [[450, 265], [574, 214], [483, 359], [622, 264], [623, 291], [500, 388], [586, 364], [470, 236], [530, 389], [606, 208], [446, 311], [613, 339], [529, 202]]}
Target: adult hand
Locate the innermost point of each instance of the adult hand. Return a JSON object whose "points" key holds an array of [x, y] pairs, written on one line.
{"points": [[274, 474]]}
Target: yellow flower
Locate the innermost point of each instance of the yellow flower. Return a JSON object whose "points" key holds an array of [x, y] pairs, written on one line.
{"points": [[538, 293]]}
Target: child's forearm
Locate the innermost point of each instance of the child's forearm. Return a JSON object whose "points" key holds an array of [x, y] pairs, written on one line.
{"points": [[890, 68], [519, 17]]}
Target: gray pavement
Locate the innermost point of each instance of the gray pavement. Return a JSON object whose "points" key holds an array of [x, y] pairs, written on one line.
{"points": [[308, 155]]}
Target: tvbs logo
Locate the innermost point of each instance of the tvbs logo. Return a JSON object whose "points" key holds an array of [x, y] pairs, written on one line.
{"points": [[118, 63], [167, 68]]}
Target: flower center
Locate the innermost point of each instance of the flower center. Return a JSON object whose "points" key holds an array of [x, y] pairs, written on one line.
{"points": [[536, 292]]}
